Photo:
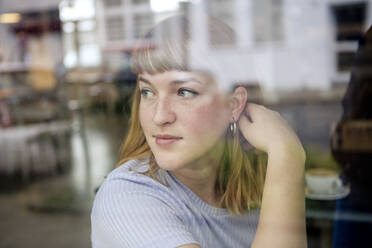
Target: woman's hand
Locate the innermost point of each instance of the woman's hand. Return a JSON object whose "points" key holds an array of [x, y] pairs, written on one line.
{"points": [[269, 132], [282, 216]]}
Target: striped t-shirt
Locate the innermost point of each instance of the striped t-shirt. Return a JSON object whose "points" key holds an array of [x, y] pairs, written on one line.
{"points": [[134, 210]]}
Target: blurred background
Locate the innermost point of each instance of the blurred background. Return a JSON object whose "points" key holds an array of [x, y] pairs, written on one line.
{"points": [[65, 88]]}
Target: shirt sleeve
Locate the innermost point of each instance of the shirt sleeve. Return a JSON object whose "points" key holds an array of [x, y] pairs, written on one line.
{"points": [[136, 218]]}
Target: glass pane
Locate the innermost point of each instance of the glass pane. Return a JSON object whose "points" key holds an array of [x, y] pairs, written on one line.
{"points": [[112, 3], [267, 20], [115, 29], [142, 24]]}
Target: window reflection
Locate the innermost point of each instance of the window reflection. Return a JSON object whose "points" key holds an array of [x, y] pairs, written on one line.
{"points": [[66, 90]]}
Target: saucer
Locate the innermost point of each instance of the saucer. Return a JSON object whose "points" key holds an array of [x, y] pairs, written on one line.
{"points": [[340, 193]]}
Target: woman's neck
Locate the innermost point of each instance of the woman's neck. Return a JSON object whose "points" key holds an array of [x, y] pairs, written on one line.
{"points": [[200, 177]]}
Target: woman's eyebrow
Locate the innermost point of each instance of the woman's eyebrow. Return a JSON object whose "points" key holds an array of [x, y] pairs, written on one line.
{"points": [[176, 81], [182, 81], [144, 80]]}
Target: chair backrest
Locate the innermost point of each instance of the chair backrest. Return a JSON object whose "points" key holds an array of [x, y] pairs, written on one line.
{"points": [[353, 136]]}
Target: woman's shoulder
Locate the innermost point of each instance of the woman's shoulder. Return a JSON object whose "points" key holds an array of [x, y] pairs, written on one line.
{"points": [[130, 173], [129, 168], [129, 201], [130, 177]]}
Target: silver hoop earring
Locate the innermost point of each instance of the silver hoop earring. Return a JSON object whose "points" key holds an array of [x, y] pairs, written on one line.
{"points": [[233, 127]]}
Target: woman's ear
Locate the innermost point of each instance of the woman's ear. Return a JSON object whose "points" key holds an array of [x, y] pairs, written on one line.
{"points": [[238, 101]]}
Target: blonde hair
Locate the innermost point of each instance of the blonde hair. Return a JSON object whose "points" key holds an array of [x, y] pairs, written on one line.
{"points": [[240, 176]]}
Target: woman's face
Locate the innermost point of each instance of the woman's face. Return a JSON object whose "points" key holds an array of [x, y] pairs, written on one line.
{"points": [[183, 116]]}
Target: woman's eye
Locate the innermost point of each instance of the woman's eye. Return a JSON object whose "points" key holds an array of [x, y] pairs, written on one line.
{"points": [[146, 93], [186, 93]]}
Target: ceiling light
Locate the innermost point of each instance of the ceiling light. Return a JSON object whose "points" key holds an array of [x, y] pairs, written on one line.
{"points": [[10, 18]]}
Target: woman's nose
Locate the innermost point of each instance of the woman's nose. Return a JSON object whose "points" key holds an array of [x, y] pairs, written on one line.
{"points": [[163, 113]]}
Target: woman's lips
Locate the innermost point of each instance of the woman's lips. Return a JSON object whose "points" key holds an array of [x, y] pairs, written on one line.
{"points": [[166, 140]]}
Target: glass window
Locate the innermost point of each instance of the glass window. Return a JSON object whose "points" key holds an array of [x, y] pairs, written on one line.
{"points": [[224, 11], [140, 1], [115, 28], [112, 3], [268, 20], [142, 23], [349, 20], [345, 60]]}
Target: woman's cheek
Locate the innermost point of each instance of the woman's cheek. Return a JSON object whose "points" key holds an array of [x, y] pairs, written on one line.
{"points": [[145, 117], [206, 119]]}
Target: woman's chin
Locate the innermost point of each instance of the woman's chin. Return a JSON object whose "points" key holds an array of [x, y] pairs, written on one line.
{"points": [[170, 164]]}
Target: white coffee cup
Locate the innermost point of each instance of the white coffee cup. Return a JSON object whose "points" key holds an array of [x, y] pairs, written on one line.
{"points": [[323, 181]]}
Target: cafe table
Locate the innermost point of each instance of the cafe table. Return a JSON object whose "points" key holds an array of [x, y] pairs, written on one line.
{"points": [[33, 149]]}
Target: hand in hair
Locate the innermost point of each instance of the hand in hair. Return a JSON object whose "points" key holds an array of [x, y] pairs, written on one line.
{"points": [[282, 217], [269, 132]]}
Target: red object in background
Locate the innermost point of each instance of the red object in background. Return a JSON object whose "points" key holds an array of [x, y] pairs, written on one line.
{"points": [[36, 23]]}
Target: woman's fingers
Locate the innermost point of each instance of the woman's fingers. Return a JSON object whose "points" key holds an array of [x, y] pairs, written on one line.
{"points": [[249, 109], [266, 130], [247, 129], [253, 110]]}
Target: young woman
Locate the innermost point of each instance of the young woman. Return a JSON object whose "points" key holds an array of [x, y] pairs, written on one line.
{"points": [[185, 178]]}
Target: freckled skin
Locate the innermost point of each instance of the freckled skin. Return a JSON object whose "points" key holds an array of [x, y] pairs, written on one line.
{"points": [[201, 120]]}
